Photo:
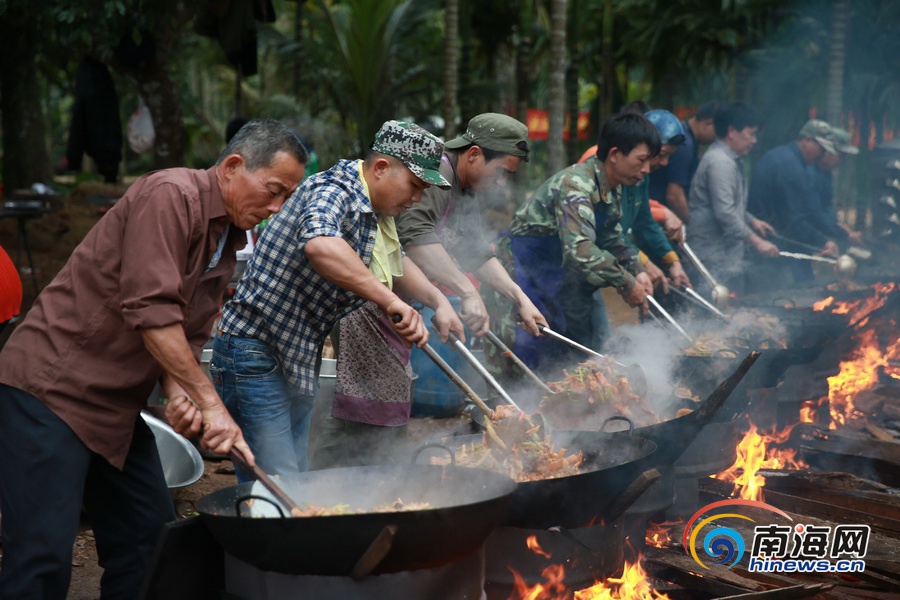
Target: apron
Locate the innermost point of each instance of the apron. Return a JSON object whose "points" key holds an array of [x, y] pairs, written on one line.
{"points": [[540, 273], [374, 377]]}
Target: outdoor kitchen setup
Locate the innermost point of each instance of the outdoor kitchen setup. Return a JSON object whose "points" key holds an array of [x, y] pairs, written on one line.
{"points": [[786, 402]]}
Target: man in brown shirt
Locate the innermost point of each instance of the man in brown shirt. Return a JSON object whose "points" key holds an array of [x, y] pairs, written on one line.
{"points": [[134, 305]]}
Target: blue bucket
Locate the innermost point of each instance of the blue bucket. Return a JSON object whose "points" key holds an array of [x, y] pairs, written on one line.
{"points": [[435, 395]]}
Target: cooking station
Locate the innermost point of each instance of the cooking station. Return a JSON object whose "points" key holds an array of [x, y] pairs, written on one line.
{"points": [[615, 529]]}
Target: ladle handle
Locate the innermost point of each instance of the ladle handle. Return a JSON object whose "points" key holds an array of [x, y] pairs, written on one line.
{"points": [[479, 368], [492, 337], [467, 390], [669, 318], [693, 294], [699, 264], [258, 474]]}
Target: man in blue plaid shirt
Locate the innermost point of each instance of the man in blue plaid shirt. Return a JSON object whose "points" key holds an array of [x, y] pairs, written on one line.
{"points": [[309, 269]]}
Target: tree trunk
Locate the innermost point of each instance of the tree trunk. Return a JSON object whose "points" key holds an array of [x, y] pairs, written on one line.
{"points": [[572, 146], [466, 101], [160, 94], [837, 54], [451, 66], [523, 60], [607, 85], [25, 156], [557, 101], [153, 81]]}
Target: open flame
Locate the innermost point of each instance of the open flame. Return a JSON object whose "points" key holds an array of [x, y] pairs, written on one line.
{"points": [[858, 374], [553, 588], [657, 534], [821, 305], [756, 452], [859, 310], [534, 546], [632, 585]]}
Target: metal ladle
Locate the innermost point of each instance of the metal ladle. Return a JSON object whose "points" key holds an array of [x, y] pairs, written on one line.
{"points": [[671, 320], [691, 295], [844, 264], [720, 293], [633, 373]]}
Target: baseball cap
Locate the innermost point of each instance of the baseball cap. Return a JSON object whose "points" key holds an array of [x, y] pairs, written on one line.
{"points": [[671, 131], [500, 133], [841, 140], [818, 130], [419, 150]]}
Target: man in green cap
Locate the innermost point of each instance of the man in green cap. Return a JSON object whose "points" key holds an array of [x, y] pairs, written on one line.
{"points": [[445, 234], [823, 183], [314, 264], [782, 194]]}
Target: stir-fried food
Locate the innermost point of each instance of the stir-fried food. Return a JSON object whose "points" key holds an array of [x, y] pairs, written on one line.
{"points": [[749, 329], [529, 456], [591, 393], [315, 510]]}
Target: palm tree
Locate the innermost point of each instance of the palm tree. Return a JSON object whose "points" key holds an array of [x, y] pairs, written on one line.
{"points": [[451, 66], [556, 106], [837, 55], [360, 43]]}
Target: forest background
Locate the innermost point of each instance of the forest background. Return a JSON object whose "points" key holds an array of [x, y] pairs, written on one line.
{"points": [[334, 70]]}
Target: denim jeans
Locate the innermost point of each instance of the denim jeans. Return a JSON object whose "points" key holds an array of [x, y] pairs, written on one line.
{"points": [[272, 416]]}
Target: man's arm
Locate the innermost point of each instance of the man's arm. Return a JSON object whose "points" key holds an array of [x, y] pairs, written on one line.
{"points": [[437, 264], [493, 274], [199, 408], [414, 283], [335, 260]]}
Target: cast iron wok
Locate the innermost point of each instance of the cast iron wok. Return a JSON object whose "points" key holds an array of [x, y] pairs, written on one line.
{"points": [[467, 505], [610, 463], [672, 437]]}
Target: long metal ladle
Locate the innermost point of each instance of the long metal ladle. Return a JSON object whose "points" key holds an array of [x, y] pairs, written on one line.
{"points": [[634, 373], [720, 293], [671, 320], [690, 294]]}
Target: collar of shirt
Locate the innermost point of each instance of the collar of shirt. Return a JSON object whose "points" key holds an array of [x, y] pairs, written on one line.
{"points": [[726, 149], [606, 193]]}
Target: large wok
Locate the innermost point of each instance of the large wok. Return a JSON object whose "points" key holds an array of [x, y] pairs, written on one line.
{"points": [[672, 437], [610, 464], [801, 297], [467, 505]]}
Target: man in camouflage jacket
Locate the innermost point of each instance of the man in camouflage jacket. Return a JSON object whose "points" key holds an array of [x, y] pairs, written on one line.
{"points": [[565, 242]]}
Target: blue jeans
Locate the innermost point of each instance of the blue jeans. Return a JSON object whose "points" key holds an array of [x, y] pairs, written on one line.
{"points": [[272, 416]]}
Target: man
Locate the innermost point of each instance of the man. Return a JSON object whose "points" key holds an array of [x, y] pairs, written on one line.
{"points": [[133, 305], [648, 236], [310, 269], [565, 241], [823, 183], [444, 234], [671, 184], [782, 193], [720, 225]]}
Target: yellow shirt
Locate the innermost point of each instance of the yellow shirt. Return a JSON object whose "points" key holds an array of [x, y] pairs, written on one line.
{"points": [[387, 257]]}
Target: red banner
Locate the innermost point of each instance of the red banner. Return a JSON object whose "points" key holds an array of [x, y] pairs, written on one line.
{"points": [[538, 122]]}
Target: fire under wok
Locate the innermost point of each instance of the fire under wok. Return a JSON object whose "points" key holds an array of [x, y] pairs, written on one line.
{"points": [[464, 505]]}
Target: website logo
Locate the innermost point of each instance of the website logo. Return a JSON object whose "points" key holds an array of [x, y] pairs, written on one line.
{"points": [[776, 548]]}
